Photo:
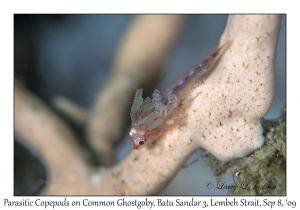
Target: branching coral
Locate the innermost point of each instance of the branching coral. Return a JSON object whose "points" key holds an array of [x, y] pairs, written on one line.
{"points": [[220, 113], [239, 91]]}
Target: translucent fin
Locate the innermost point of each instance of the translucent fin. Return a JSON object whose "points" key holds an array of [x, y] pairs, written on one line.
{"points": [[156, 99], [155, 124], [138, 100], [150, 118], [172, 102], [209, 65]]}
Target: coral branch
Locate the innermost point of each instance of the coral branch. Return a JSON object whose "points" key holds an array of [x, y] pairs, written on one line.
{"points": [[41, 130], [70, 109]]}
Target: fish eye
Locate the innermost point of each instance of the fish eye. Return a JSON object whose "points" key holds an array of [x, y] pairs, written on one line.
{"points": [[141, 142]]}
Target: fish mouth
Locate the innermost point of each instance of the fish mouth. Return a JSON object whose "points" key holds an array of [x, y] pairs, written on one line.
{"points": [[134, 146]]}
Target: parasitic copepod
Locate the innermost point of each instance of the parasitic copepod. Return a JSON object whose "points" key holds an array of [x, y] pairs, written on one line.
{"points": [[149, 117]]}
